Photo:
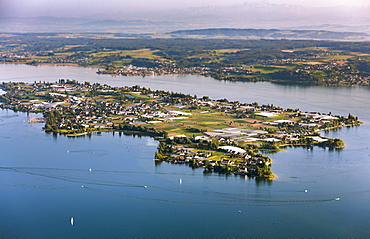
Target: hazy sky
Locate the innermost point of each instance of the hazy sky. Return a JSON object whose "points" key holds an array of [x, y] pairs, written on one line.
{"points": [[27, 8]]}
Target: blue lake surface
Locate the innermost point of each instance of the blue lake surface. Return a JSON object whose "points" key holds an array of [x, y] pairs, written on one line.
{"points": [[45, 179]]}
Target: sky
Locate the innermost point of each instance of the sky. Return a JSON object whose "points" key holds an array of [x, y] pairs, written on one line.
{"points": [[74, 8]]}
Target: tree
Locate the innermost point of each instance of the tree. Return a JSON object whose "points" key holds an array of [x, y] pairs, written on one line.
{"points": [[214, 144], [333, 143], [264, 171]]}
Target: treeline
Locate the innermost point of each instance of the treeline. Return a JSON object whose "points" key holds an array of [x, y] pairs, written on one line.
{"points": [[141, 129], [302, 77]]}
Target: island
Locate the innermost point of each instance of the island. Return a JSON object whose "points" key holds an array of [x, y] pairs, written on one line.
{"points": [[218, 135]]}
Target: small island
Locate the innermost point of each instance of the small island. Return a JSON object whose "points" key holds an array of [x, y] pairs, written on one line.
{"points": [[218, 135]]}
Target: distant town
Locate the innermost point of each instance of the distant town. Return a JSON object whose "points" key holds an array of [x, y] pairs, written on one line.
{"points": [[218, 135]]}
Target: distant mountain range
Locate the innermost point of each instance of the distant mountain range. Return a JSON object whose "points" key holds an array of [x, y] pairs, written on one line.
{"points": [[232, 33], [260, 15], [77, 25]]}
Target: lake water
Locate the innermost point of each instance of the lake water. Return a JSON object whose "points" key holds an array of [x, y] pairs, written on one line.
{"points": [[45, 180]]}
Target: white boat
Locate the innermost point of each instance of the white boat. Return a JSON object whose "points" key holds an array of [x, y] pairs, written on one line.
{"points": [[72, 221]]}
